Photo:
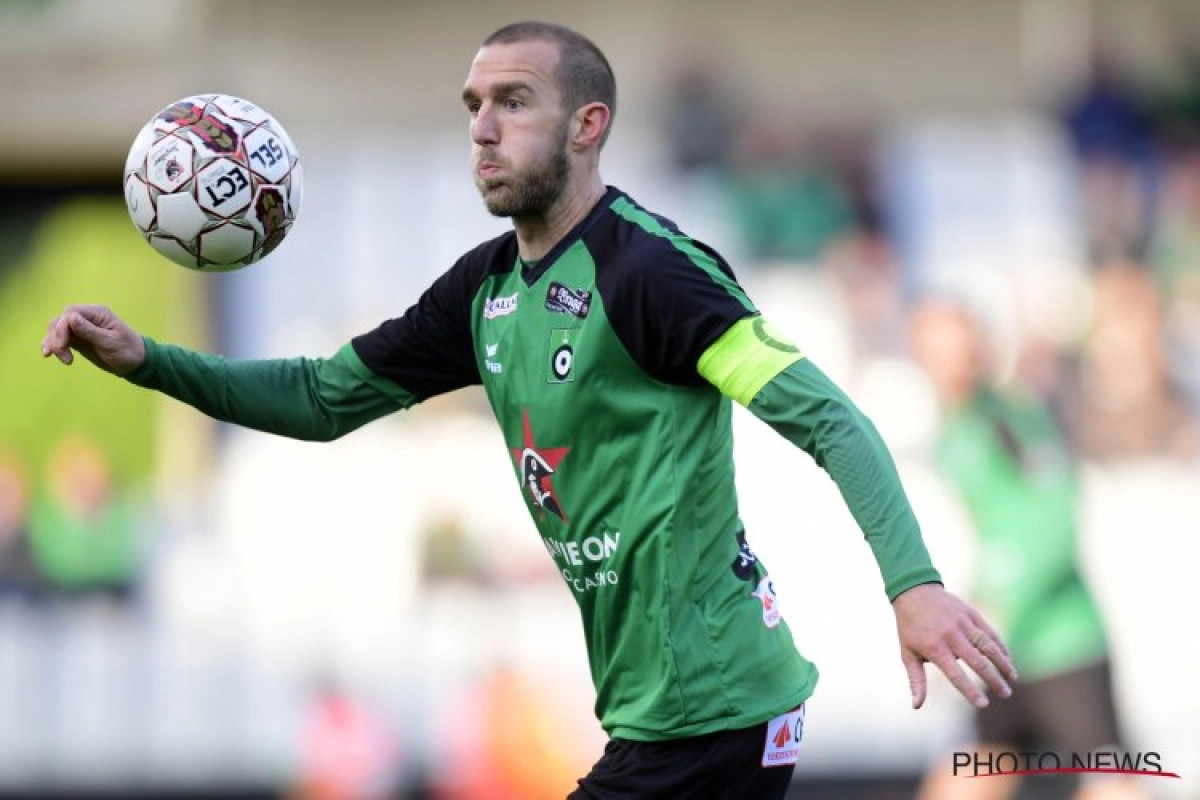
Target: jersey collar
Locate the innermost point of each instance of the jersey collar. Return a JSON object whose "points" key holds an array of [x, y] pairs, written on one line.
{"points": [[533, 275]]}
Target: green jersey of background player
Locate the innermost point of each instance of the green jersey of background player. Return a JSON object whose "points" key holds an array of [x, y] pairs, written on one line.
{"points": [[610, 346]]}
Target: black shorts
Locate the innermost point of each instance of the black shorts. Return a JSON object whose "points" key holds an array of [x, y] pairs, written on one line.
{"points": [[727, 765], [1072, 712]]}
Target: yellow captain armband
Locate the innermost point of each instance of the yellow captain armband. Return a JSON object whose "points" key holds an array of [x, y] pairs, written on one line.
{"points": [[746, 358]]}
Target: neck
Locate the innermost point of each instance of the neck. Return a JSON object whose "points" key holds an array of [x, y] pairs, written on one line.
{"points": [[536, 236]]}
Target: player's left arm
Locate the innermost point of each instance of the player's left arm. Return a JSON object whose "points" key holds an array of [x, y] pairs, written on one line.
{"points": [[759, 369]]}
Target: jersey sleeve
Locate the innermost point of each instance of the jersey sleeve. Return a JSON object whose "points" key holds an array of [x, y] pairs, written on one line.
{"points": [[670, 303], [428, 351], [315, 399], [809, 410]]}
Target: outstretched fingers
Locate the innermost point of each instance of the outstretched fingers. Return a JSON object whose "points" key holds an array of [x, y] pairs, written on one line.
{"points": [[995, 640], [937, 627], [57, 341], [986, 658], [945, 659], [914, 665]]}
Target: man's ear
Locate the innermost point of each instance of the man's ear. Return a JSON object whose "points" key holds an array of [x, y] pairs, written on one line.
{"points": [[588, 125]]}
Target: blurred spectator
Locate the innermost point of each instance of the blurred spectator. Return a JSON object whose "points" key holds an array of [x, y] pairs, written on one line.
{"points": [[1002, 453], [1129, 406], [1175, 251], [1175, 264], [1179, 110], [789, 204], [448, 553], [348, 752], [701, 118], [508, 740], [1040, 367], [1109, 124], [19, 576], [83, 532], [862, 260]]}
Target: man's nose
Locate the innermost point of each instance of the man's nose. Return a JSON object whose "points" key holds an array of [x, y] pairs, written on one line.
{"points": [[483, 128]]}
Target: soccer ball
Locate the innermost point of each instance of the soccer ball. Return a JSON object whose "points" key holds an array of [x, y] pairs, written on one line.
{"points": [[213, 182]]}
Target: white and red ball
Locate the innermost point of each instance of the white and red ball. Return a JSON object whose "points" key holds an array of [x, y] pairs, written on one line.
{"points": [[213, 182]]}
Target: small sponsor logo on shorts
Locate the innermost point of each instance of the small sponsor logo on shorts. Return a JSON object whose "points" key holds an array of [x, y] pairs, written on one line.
{"points": [[784, 733]]}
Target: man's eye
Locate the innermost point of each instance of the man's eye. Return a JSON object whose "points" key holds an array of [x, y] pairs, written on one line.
{"points": [[512, 104], [473, 107]]}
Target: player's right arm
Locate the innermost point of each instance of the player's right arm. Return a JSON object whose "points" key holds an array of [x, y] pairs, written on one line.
{"points": [[316, 399], [425, 352]]}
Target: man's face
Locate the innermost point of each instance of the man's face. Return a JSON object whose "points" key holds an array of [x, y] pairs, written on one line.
{"points": [[519, 130], [947, 345]]}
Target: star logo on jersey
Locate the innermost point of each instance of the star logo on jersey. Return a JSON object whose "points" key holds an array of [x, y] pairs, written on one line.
{"points": [[537, 467]]}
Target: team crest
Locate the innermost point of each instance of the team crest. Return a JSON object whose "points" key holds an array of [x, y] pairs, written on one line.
{"points": [[561, 359]]}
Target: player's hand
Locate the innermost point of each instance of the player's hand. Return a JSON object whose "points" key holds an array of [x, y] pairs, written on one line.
{"points": [[936, 626], [98, 335]]}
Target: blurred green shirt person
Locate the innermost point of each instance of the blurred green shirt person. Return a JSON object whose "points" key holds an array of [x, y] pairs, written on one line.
{"points": [[1008, 462], [1010, 465], [83, 535], [1005, 456]]}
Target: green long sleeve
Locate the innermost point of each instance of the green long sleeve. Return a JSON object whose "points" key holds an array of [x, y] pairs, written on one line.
{"points": [[315, 399], [806, 408]]}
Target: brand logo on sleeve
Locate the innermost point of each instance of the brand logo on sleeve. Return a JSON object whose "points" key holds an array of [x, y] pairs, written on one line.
{"points": [[565, 300], [499, 306]]}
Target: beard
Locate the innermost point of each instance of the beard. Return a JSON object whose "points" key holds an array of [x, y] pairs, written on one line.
{"points": [[532, 191]]}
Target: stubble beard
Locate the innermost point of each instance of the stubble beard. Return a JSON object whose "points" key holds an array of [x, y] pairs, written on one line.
{"points": [[533, 191]]}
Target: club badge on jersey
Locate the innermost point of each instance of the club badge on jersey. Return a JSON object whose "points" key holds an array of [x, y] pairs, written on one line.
{"points": [[561, 360]]}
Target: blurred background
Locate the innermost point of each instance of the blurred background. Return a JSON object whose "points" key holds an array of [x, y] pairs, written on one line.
{"points": [[189, 609]]}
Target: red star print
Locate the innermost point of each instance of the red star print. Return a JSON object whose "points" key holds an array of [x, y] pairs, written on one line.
{"points": [[536, 468]]}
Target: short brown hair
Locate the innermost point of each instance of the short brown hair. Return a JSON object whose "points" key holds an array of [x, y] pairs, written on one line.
{"points": [[584, 74]]}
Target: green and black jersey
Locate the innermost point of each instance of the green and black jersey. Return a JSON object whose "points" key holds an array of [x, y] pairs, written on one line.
{"points": [[609, 365]]}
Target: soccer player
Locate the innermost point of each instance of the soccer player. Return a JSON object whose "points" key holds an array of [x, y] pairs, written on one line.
{"points": [[610, 345], [1004, 456]]}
